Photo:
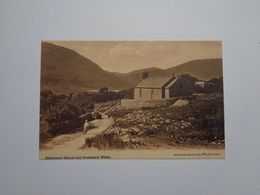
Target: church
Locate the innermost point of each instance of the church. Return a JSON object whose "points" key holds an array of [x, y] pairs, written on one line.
{"points": [[161, 88], [155, 88]]}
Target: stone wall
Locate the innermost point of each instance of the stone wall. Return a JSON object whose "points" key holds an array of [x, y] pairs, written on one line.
{"points": [[147, 94], [132, 103]]}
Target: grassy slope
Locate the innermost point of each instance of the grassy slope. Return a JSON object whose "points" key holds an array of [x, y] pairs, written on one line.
{"points": [[201, 69], [65, 70]]}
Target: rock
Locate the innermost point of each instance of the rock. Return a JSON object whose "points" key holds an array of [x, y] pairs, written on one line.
{"points": [[154, 126], [180, 103]]}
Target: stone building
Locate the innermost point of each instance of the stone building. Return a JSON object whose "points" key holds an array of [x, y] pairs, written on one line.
{"points": [[155, 91], [159, 88], [154, 88]]}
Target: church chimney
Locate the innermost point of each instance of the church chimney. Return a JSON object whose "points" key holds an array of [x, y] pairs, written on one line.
{"points": [[145, 75]]}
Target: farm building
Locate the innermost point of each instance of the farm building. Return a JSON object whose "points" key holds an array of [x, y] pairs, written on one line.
{"points": [[200, 83]]}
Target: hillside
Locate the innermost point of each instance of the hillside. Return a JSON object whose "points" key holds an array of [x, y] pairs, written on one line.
{"points": [[201, 69], [65, 71], [198, 122]]}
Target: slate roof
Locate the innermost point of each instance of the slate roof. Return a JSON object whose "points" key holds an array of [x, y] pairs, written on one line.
{"points": [[153, 82]]}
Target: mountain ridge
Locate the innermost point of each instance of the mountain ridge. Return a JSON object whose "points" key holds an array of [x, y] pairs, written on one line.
{"points": [[64, 70]]}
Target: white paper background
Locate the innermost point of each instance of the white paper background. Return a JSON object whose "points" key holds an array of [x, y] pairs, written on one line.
{"points": [[23, 24]]}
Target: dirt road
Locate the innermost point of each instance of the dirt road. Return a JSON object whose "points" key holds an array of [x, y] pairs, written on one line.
{"points": [[72, 142], [101, 125]]}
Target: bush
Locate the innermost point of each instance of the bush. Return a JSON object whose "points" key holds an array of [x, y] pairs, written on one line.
{"points": [[209, 119], [61, 119], [214, 85], [60, 113], [105, 141]]}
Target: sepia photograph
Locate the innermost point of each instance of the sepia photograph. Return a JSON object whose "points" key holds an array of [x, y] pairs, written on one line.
{"points": [[131, 100], [139, 97]]}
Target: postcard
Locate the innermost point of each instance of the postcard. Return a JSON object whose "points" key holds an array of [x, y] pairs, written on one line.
{"points": [[131, 100]]}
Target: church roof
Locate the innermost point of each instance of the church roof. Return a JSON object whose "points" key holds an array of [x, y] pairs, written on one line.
{"points": [[171, 83], [154, 82]]}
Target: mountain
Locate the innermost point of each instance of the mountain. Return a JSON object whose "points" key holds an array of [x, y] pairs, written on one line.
{"points": [[205, 69], [65, 71], [201, 69]]}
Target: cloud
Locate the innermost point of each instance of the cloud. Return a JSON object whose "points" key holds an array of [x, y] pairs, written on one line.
{"points": [[125, 51], [125, 56]]}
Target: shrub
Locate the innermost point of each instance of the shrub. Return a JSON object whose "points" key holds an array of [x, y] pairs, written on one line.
{"points": [[60, 113], [105, 141]]}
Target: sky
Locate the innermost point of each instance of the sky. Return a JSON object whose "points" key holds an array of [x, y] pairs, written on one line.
{"points": [[127, 56]]}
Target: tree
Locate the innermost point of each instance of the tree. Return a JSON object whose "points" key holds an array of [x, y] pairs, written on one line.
{"points": [[103, 90]]}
